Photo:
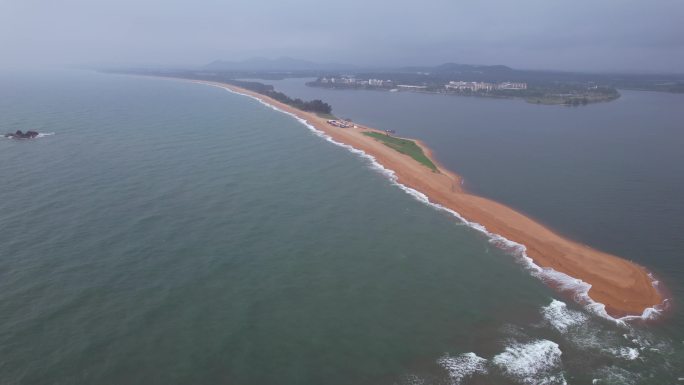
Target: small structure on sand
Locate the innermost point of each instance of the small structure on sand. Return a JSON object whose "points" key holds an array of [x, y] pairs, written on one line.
{"points": [[340, 123]]}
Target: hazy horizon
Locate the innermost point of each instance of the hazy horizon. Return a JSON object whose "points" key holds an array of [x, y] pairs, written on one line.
{"points": [[608, 36]]}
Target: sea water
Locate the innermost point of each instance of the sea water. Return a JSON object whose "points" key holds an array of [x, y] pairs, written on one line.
{"points": [[176, 233]]}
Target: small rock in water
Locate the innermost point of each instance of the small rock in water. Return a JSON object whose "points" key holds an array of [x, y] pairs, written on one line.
{"points": [[22, 135]]}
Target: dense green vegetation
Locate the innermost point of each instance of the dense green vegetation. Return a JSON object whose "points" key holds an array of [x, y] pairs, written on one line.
{"points": [[575, 97], [327, 116], [318, 106], [404, 146]]}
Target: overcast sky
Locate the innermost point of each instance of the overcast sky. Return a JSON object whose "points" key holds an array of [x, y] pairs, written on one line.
{"points": [[587, 35]]}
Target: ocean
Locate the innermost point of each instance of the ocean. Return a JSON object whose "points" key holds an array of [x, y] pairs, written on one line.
{"points": [[164, 232]]}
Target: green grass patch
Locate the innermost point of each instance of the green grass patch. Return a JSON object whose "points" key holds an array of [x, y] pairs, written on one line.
{"points": [[404, 146], [327, 116]]}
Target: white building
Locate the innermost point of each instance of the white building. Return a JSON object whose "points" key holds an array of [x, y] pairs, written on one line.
{"points": [[511, 86], [410, 87], [481, 86], [472, 86]]}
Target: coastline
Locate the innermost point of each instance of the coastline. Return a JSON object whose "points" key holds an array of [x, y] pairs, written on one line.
{"points": [[606, 284], [546, 100]]}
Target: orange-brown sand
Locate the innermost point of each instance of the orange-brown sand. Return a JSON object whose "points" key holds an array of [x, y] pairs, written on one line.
{"points": [[624, 287]]}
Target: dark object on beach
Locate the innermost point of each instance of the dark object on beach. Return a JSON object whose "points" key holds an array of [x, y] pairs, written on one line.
{"points": [[22, 135]]}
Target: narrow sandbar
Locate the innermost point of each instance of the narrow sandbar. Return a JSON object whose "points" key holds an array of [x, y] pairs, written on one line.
{"points": [[624, 287]]}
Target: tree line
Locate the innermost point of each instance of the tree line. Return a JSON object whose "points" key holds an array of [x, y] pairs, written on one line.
{"points": [[318, 106]]}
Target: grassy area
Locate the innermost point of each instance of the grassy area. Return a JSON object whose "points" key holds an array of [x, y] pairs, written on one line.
{"points": [[327, 116], [404, 146]]}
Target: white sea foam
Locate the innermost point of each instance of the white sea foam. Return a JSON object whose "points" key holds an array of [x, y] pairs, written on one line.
{"points": [[626, 353], [561, 318], [651, 312], [40, 135], [644, 343], [412, 379], [614, 375], [587, 335], [556, 278], [463, 366], [537, 362]]}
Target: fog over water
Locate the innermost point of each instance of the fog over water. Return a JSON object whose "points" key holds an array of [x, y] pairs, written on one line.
{"points": [[609, 35]]}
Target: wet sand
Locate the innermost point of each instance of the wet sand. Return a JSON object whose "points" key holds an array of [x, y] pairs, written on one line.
{"points": [[624, 287]]}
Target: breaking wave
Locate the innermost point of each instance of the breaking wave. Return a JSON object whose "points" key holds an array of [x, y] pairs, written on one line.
{"points": [[578, 329], [561, 318], [463, 366], [626, 353], [537, 362]]}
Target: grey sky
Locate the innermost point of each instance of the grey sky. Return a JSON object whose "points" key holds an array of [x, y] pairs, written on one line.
{"points": [[598, 35]]}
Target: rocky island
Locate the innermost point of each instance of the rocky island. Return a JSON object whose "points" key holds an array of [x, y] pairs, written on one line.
{"points": [[22, 135]]}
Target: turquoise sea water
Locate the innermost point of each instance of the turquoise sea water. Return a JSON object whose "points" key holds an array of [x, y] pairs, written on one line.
{"points": [[173, 233]]}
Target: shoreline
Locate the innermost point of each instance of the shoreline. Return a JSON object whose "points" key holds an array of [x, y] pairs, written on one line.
{"points": [[547, 100], [605, 284]]}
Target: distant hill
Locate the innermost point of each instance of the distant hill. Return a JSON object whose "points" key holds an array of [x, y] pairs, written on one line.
{"points": [[276, 65]]}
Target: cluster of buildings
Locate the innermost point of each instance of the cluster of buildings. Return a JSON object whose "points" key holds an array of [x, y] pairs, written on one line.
{"points": [[351, 81], [340, 123], [481, 86]]}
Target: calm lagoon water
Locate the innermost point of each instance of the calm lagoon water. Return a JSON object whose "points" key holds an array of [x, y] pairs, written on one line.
{"points": [[173, 233]]}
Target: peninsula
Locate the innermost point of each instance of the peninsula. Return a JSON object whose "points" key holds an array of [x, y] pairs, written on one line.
{"points": [[624, 287]]}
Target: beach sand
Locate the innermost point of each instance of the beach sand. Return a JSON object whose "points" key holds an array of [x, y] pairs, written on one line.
{"points": [[624, 287]]}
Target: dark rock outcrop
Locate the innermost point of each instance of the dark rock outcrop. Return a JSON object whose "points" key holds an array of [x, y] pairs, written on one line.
{"points": [[22, 135]]}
